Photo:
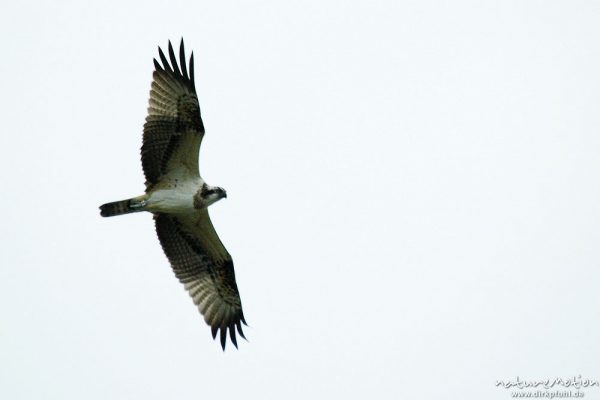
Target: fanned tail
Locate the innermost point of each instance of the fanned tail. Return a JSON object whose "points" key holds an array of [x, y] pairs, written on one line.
{"points": [[122, 207]]}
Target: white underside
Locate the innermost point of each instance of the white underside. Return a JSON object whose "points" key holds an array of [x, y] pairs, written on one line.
{"points": [[177, 197]]}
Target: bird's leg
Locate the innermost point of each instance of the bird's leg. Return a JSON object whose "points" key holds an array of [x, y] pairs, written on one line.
{"points": [[138, 202]]}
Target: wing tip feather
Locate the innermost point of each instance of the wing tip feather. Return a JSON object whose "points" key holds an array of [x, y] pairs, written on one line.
{"points": [[192, 68], [177, 68], [184, 71], [222, 330], [223, 337], [157, 65], [232, 334], [173, 59], [165, 62]]}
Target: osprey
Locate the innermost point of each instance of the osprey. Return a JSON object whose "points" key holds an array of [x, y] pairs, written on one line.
{"points": [[178, 197]]}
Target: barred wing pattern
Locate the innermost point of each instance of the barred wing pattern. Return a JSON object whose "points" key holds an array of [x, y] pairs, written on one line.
{"points": [[205, 268], [173, 130]]}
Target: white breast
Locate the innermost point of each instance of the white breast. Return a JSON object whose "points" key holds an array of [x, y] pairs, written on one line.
{"points": [[176, 197]]}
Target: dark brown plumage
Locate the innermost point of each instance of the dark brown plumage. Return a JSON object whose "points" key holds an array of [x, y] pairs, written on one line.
{"points": [[209, 278]]}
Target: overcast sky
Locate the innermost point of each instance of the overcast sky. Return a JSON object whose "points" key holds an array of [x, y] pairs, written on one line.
{"points": [[413, 198]]}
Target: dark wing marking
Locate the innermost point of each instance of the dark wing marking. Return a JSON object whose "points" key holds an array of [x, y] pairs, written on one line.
{"points": [[173, 130], [203, 265]]}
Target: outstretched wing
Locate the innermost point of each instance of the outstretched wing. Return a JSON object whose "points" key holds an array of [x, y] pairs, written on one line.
{"points": [[205, 268], [173, 130]]}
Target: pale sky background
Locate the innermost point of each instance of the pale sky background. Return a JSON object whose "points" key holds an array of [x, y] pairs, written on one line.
{"points": [[413, 209]]}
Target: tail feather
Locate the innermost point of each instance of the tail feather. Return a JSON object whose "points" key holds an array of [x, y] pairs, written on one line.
{"points": [[121, 207]]}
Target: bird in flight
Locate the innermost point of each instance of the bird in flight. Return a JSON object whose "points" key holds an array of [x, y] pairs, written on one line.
{"points": [[178, 197]]}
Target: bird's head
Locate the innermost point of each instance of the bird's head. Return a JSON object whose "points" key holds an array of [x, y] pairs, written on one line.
{"points": [[212, 194]]}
